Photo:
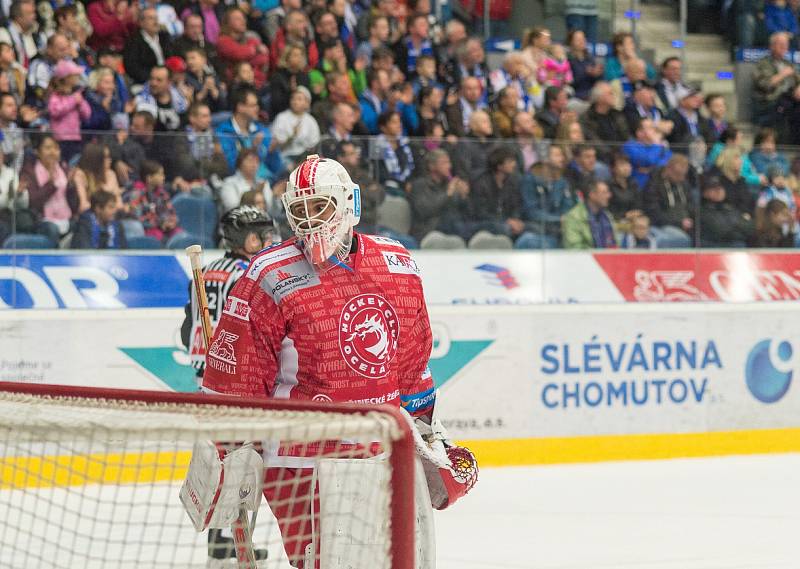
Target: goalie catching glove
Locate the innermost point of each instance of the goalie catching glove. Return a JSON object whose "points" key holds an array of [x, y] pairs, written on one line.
{"points": [[219, 483], [450, 471]]}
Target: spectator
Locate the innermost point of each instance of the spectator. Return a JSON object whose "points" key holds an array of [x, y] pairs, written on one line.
{"points": [[515, 73], [461, 105], [162, 100], [294, 31], [72, 23], [342, 119], [638, 235], [340, 90], [393, 11], [205, 153], [626, 194], [147, 48], [94, 173], [348, 154], [150, 203], [291, 73], [426, 74], [128, 150], [496, 200], [333, 59], [67, 108], [634, 72], [22, 33], [193, 37], [383, 58], [294, 131], [50, 195], [737, 192], [589, 224], [415, 44], [671, 88], [104, 100], [345, 22], [505, 110], [717, 117], [526, 135], [13, 143], [775, 227], [236, 44], [546, 197], [97, 228], [624, 51], [430, 109], [212, 13], [470, 62], [556, 100], [113, 21], [601, 121], [642, 105], [470, 157], [275, 19], [765, 155], [439, 201], [256, 199], [14, 201], [167, 17], [378, 37], [244, 131], [778, 17], [773, 77], [570, 134], [244, 180], [15, 73], [646, 152], [582, 17], [586, 168], [689, 125], [586, 71], [42, 66], [554, 71], [326, 29], [721, 224], [777, 189], [203, 81], [396, 160], [732, 138], [669, 203], [535, 44]]}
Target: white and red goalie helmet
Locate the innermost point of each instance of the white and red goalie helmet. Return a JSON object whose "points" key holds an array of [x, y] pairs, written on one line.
{"points": [[322, 205]]}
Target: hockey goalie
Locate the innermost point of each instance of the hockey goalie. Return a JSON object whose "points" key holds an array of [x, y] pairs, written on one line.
{"points": [[328, 315]]}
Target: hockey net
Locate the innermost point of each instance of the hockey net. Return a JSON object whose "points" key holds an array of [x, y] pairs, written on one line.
{"points": [[90, 478]]}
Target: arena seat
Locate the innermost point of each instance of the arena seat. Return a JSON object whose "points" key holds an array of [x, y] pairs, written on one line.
{"points": [[442, 241], [395, 213], [485, 240], [197, 216], [184, 240], [143, 242], [28, 241]]}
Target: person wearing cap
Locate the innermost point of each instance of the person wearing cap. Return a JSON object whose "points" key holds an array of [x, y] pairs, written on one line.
{"points": [[149, 47], [689, 124], [721, 224], [295, 132], [67, 107], [642, 105]]}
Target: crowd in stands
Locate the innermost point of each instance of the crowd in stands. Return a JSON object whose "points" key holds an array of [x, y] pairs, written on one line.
{"points": [[128, 124]]}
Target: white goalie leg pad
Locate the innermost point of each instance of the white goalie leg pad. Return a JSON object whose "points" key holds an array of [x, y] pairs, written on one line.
{"points": [[216, 488], [353, 520]]}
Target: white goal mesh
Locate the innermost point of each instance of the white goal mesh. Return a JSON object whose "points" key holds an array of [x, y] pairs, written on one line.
{"points": [[90, 479]]}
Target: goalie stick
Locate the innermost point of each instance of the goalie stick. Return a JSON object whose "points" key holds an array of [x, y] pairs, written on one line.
{"points": [[242, 528]]}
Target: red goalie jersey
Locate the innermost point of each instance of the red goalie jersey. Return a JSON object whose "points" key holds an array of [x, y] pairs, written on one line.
{"points": [[358, 332]]}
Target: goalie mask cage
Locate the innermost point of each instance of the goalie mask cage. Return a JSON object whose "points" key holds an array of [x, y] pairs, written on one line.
{"points": [[89, 478]]}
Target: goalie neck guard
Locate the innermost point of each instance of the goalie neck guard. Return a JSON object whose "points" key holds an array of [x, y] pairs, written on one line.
{"points": [[322, 205]]}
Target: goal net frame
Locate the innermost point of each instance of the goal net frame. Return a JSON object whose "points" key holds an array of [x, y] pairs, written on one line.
{"points": [[401, 459]]}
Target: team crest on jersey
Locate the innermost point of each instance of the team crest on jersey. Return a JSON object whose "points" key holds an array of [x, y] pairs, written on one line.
{"points": [[237, 308], [222, 355], [368, 332]]}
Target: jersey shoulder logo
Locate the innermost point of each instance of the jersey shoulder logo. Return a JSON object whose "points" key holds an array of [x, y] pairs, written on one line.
{"points": [[368, 335], [237, 308], [270, 257], [381, 240], [284, 280], [221, 354], [400, 263]]}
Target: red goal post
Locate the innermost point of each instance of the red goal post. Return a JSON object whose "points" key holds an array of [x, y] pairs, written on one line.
{"points": [[89, 477]]}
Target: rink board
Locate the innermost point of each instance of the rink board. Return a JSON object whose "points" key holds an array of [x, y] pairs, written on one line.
{"points": [[520, 385]]}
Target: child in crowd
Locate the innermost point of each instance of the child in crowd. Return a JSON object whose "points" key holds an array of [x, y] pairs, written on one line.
{"points": [[638, 234], [554, 70], [67, 107], [150, 203], [426, 74], [97, 228], [777, 189]]}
